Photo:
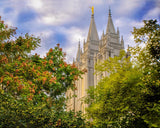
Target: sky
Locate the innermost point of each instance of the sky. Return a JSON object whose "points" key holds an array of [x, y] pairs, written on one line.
{"points": [[67, 21]]}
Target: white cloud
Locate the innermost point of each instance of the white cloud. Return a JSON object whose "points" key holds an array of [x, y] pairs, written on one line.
{"points": [[127, 7], [73, 34], [9, 18], [43, 33], [44, 36], [126, 26], [153, 13], [60, 12], [36, 4], [55, 19], [54, 12]]}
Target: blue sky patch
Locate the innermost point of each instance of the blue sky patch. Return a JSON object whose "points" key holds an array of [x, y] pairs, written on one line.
{"points": [[147, 7], [7, 10], [61, 38], [26, 16]]}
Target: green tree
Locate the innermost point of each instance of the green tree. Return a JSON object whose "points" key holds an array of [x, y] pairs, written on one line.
{"points": [[116, 96], [129, 96], [32, 89], [148, 60]]}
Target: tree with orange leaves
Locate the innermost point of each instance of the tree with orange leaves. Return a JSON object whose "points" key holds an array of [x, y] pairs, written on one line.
{"points": [[32, 88]]}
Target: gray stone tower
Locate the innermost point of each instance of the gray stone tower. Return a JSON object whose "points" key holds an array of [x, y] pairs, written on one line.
{"points": [[94, 49]]}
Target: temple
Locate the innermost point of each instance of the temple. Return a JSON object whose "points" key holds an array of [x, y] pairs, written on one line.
{"points": [[94, 49]]}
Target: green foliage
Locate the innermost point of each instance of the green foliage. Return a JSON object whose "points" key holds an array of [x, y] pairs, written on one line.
{"points": [[148, 60], [116, 96], [16, 113], [149, 35], [130, 95], [32, 89]]}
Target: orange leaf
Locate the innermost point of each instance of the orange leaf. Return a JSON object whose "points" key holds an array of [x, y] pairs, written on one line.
{"points": [[62, 78], [50, 50], [60, 49], [50, 62], [20, 87], [2, 79], [58, 45], [8, 82], [53, 69], [44, 80], [30, 82], [60, 65]]}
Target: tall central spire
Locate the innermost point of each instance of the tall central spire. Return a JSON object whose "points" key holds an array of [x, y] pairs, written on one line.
{"points": [[110, 26], [92, 34]]}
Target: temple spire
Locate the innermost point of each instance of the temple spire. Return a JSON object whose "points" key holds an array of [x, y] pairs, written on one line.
{"points": [[110, 11], [78, 52], [110, 26], [122, 42], [84, 45], [92, 34], [117, 31]]}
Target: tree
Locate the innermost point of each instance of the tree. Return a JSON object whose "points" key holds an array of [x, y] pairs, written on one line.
{"points": [[32, 88], [116, 96], [130, 95], [148, 60]]}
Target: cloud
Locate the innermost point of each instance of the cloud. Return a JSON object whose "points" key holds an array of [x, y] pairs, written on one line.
{"points": [[36, 4], [153, 13], [67, 21], [45, 37], [56, 19], [54, 12], [127, 7], [126, 26], [73, 36]]}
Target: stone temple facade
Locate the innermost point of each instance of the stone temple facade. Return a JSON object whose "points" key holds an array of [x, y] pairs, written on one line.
{"points": [[94, 49]]}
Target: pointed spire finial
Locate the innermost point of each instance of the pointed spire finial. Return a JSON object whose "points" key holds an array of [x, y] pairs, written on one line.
{"points": [[110, 26], [92, 9], [118, 30], [122, 38], [122, 42], [110, 11], [92, 34]]}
